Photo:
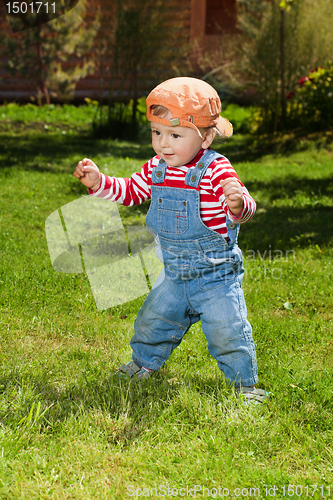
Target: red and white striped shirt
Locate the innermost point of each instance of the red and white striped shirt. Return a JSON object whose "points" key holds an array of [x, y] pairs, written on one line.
{"points": [[213, 206]]}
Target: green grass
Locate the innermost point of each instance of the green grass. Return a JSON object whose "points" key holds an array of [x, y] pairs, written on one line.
{"points": [[30, 114], [68, 430]]}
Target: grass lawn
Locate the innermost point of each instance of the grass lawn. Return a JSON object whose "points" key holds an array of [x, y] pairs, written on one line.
{"points": [[68, 430]]}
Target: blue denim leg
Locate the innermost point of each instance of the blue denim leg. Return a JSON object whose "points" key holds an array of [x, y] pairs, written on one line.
{"points": [[222, 313], [160, 325], [171, 308]]}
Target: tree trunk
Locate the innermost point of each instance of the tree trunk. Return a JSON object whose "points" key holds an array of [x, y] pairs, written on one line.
{"points": [[282, 65], [43, 85], [135, 101]]}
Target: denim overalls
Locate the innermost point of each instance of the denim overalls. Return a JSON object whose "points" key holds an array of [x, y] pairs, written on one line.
{"points": [[201, 280]]}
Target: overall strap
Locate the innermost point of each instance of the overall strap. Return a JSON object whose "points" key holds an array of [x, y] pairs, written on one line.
{"points": [[196, 173], [158, 172]]}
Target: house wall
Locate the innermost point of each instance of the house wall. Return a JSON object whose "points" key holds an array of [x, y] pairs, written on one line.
{"points": [[203, 21], [210, 18]]}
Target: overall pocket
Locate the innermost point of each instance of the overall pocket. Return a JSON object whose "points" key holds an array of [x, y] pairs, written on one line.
{"points": [[172, 216], [220, 269]]}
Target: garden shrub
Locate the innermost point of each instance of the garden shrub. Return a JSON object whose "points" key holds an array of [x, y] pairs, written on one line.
{"points": [[242, 118], [312, 103]]}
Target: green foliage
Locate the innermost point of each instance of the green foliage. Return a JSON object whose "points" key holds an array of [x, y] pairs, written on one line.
{"points": [[47, 114], [312, 103], [38, 54], [242, 118], [276, 46], [285, 4]]}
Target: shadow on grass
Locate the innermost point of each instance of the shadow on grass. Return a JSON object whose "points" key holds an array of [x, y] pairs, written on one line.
{"points": [[288, 227], [282, 227], [122, 408], [41, 153], [305, 223], [252, 147]]}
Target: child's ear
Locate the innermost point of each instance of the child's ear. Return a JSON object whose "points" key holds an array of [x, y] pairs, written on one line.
{"points": [[208, 138]]}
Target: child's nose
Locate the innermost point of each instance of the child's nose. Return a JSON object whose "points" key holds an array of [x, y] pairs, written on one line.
{"points": [[164, 141]]}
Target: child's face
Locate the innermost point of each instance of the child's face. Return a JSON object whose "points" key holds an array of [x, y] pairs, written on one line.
{"points": [[177, 146]]}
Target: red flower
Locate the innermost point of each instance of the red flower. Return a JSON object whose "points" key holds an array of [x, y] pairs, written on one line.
{"points": [[303, 80], [290, 94]]}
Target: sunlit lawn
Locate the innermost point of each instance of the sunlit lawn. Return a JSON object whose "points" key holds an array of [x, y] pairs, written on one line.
{"points": [[69, 430]]}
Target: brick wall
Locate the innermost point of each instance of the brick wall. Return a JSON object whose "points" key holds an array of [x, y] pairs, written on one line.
{"points": [[197, 24]]}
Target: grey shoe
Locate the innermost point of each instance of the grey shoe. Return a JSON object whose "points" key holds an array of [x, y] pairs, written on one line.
{"points": [[133, 371], [252, 394]]}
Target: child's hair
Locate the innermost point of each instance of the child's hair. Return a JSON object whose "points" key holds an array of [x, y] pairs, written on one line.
{"points": [[158, 110], [162, 112]]}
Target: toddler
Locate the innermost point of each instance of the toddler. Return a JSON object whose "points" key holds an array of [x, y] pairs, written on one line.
{"points": [[197, 206]]}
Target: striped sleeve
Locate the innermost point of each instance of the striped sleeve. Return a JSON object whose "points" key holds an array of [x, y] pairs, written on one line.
{"points": [[220, 170], [126, 191]]}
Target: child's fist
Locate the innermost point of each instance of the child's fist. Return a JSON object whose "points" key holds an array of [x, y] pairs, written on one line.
{"points": [[88, 173], [233, 193]]}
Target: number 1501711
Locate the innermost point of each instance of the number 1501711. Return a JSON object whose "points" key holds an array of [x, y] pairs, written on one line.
{"points": [[30, 8]]}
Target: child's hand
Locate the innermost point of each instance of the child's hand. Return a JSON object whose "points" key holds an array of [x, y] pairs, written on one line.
{"points": [[233, 193], [88, 173]]}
